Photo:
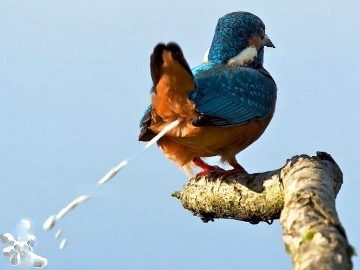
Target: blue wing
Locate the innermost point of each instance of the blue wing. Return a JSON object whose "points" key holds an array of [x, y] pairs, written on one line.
{"points": [[228, 95]]}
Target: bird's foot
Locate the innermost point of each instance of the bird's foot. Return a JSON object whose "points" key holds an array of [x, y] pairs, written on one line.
{"points": [[209, 170], [205, 168], [232, 172]]}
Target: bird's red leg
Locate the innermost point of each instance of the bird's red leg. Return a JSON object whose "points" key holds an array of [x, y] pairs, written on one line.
{"points": [[237, 168], [205, 168]]}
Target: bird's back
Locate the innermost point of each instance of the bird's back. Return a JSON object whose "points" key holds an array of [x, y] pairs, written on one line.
{"points": [[230, 95]]}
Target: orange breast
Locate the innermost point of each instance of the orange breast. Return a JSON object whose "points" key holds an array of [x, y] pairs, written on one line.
{"points": [[212, 141]]}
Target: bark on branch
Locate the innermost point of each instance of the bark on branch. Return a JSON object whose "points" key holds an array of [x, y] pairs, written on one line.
{"points": [[302, 194]]}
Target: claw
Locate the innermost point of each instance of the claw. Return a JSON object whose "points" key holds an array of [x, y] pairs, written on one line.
{"points": [[211, 169], [205, 168], [232, 172]]}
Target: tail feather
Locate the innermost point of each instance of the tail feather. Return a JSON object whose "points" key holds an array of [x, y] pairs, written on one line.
{"points": [[164, 107], [146, 134], [178, 56], [156, 62]]}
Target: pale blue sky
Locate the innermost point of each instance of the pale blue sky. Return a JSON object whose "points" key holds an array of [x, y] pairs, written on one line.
{"points": [[74, 81]]}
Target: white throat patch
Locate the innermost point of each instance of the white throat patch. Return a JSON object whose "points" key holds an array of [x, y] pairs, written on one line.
{"points": [[245, 56]]}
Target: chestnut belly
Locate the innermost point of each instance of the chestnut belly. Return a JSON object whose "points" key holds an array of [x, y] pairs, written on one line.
{"points": [[213, 141]]}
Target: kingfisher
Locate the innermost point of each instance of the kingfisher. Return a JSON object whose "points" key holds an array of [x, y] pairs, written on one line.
{"points": [[223, 104]]}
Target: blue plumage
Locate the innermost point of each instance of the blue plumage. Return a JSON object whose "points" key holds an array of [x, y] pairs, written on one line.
{"points": [[231, 36], [231, 96], [228, 95]]}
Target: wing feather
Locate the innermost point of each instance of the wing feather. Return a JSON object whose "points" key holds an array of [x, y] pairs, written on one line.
{"points": [[227, 95]]}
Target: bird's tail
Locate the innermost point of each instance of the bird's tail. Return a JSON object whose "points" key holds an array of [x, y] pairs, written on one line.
{"points": [[172, 83], [158, 59]]}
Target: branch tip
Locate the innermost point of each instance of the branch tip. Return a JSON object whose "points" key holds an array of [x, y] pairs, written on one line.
{"points": [[176, 194]]}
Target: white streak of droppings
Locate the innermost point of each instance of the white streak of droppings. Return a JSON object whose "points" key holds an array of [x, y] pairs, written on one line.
{"points": [[63, 244], [112, 172], [245, 56], [7, 238], [25, 224], [163, 132], [38, 261], [15, 258], [8, 251], [58, 234], [49, 223], [79, 200], [20, 249], [30, 240]]}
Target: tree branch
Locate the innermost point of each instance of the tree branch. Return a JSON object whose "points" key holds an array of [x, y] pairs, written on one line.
{"points": [[301, 193]]}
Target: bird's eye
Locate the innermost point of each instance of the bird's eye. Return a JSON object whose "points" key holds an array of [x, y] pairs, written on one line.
{"points": [[262, 33]]}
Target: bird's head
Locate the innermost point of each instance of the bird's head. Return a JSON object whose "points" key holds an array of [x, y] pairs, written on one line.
{"points": [[235, 32]]}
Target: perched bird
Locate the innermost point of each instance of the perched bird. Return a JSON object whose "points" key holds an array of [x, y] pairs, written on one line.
{"points": [[224, 104]]}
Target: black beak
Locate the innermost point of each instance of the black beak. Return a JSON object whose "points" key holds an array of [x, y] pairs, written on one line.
{"points": [[267, 42]]}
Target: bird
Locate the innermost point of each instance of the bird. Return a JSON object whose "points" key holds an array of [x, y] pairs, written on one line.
{"points": [[223, 105]]}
